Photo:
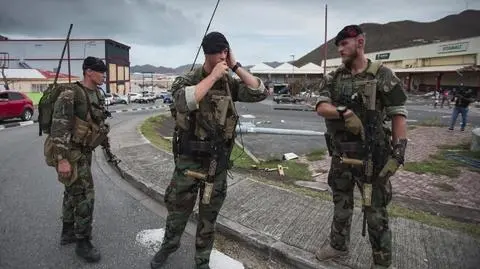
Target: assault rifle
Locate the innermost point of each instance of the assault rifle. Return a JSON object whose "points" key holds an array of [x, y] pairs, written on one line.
{"points": [[365, 186]]}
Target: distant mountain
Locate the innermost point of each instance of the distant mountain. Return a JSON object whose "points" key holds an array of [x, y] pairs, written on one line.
{"points": [[406, 33]]}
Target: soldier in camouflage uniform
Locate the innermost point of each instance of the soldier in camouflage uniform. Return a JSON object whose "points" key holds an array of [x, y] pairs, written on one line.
{"points": [[344, 114], [200, 99], [78, 106]]}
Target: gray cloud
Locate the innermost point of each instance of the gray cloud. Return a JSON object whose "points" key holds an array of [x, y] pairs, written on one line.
{"points": [[146, 22]]}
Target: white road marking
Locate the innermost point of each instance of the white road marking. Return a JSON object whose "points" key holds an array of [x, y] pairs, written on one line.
{"points": [[152, 239], [24, 123], [248, 116]]}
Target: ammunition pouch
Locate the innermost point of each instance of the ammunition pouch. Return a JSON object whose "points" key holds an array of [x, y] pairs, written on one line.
{"points": [[81, 130], [89, 134]]}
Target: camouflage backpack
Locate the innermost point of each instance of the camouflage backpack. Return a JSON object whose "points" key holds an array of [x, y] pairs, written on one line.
{"points": [[46, 106]]}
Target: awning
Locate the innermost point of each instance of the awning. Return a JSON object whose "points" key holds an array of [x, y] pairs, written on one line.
{"points": [[430, 69]]}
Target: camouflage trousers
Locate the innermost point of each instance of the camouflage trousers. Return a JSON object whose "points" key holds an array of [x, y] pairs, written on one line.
{"points": [[180, 199], [78, 199], [342, 180]]}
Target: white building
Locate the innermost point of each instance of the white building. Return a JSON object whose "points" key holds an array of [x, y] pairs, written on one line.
{"points": [[32, 80], [45, 54]]}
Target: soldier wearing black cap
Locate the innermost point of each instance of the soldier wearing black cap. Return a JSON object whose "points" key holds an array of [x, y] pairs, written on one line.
{"points": [[78, 126], [343, 106], [204, 135]]}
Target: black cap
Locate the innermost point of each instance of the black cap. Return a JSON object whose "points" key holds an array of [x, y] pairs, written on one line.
{"points": [[347, 32], [94, 63], [214, 42]]}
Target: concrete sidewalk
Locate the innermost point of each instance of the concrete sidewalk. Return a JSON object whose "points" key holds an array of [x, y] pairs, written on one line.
{"points": [[290, 226]]}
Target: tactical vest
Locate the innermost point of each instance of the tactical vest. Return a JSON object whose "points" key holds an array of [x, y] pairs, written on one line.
{"points": [[89, 129], [347, 91], [213, 122]]}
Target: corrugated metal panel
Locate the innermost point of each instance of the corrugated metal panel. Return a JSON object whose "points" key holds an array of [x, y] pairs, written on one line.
{"points": [[23, 74], [446, 68]]}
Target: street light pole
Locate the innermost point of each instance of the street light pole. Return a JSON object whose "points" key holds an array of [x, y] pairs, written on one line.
{"points": [[293, 60]]}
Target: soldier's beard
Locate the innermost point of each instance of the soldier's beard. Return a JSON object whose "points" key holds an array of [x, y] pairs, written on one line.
{"points": [[350, 59]]}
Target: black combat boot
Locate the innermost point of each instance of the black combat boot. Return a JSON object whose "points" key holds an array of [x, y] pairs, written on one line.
{"points": [[86, 250], [159, 259], [68, 234]]}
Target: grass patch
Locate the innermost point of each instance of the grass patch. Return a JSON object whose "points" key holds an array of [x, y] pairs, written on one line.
{"points": [[297, 171], [317, 155], [435, 166], [149, 130], [35, 96], [432, 122], [440, 165], [432, 220]]}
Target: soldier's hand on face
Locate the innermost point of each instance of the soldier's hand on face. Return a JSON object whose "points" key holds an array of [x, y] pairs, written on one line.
{"points": [[353, 124], [64, 169], [231, 61], [220, 70]]}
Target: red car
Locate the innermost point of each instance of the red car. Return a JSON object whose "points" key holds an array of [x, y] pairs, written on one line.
{"points": [[15, 104]]}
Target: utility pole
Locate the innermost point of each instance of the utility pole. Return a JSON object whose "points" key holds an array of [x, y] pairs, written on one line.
{"points": [[291, 80], [325, 48]]}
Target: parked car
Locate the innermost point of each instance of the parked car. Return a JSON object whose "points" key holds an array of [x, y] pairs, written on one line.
{"points": [[146, 97], [108, 99], [285, 98], [119, 99], [167, 99], [15, 104], [133, 96]]}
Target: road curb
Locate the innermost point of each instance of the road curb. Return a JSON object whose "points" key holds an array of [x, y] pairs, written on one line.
{"points": [[17, 124], [138, 109], [294, 109]]}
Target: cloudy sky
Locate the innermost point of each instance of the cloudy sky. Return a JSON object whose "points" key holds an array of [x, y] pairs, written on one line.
{"points": [[168, 32]]}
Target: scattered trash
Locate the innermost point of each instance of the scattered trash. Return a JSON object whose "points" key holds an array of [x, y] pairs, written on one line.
{"points": [[279, 168], [282, 121], [290, 156]]}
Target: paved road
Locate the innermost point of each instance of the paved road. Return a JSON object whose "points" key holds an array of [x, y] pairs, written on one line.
{"points": [[30, 204]]}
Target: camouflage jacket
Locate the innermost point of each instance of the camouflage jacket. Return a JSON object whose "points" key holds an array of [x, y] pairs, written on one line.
{"points": [[342, 88], [72, 102], [183, 91]]}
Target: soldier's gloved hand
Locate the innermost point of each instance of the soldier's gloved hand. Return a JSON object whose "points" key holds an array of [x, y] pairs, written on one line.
{"points": [[353, 124], [390, 168], [394, 161]]}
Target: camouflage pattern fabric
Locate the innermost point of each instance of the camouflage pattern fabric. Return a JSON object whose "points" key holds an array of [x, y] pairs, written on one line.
{"points": [[180, 198], [78, 199], [342, 88]]}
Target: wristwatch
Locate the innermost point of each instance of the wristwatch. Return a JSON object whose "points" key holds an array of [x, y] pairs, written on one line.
{"points": [[236, 66], [341, 110]]}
